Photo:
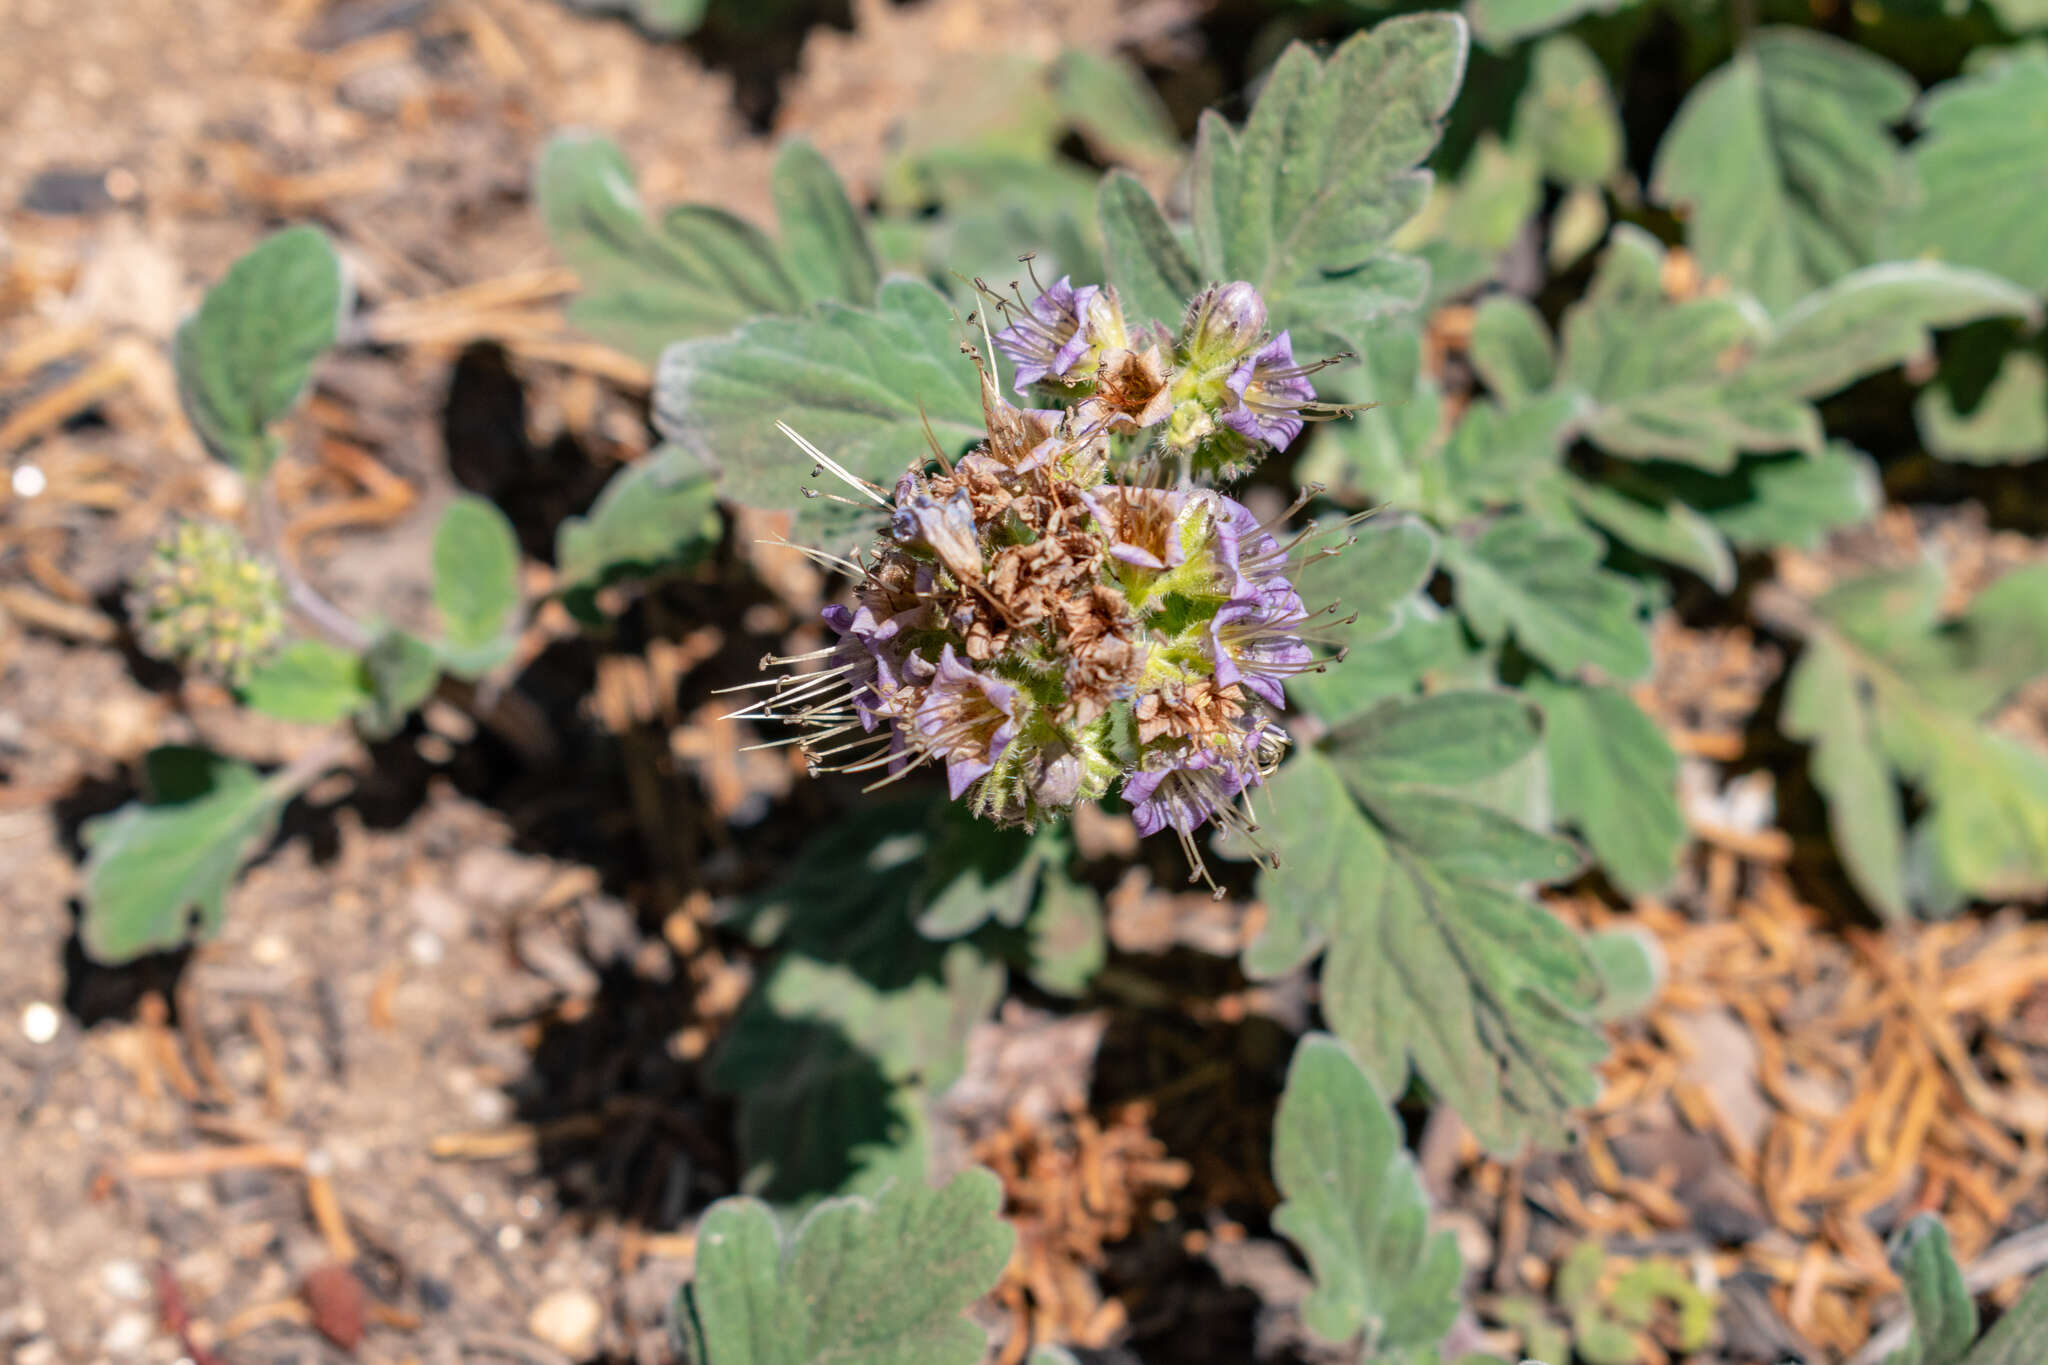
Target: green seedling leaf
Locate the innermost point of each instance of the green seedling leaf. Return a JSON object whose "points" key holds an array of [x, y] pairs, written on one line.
{"points": [[834, 1067], [886, 1281], [2008, 424], [856, 383], [1503, 23], [1887, 691], [1944, 1314], [1615, 779], [824, 245], [1631, 971], [1543, 585], [1511, 348], [401, 670], [1430, 965], [1566, 113], [1984, 140], [155, 863], [309, 682], [1784, 163], [659, 513], [247, 355], [1324, 170], [1355, 1207], [1145, 259], [476, 585]]}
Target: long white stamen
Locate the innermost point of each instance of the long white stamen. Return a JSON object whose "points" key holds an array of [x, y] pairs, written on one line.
{"points": [[852, 480]]}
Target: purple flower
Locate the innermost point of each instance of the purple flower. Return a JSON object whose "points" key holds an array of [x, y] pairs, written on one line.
{"points": [[945, 528], [966, 718], [1252, 641], [1268, 392], [1247, 550], [872, 652], [1143, 524], [1049, 337], [1189, 792]]}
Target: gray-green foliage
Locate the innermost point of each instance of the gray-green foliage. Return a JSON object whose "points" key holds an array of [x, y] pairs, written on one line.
{"points": [[660, 513], [1355, 1207], [157, 870], [698, 270], [859, 383], [885, 1281], [1396, 865], [310, 682], [1889, 690], [247, 355], [475, 585], [1978, 159], [1784, 162], [1944, 1313]]}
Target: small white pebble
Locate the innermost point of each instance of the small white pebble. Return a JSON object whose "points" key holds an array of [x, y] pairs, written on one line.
{"points": [[424, 947], [40, 1022], [29, 481], [269, 950], [529, 1207], [509, 1238]]}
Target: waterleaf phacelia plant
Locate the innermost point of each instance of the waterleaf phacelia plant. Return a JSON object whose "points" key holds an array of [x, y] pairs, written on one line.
{"points": [[203, 600], [1051, 620]]}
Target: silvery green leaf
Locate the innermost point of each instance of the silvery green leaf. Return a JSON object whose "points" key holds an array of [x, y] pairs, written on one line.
{"points": [[1888, 691], [658, 513], [2007, 424], [1566, 113], [1146, 261], [1356, 1208], [308, 681], [824, 245], [1502, 23], [1068, 941], [1392, 559], [881, 1281], [1448, 738], [157, 870], [1615, 778], [1984, 139], [1766, 501], [1661, 528], [1784, 164], [1944, 1314], [1498, 450], [247, 355], [1511, 348], [402, 671], [1543, 585], [476, 584], [859, 384]]}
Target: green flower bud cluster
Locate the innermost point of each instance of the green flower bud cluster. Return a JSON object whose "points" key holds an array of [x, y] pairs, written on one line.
{"points": [[203, 601]]}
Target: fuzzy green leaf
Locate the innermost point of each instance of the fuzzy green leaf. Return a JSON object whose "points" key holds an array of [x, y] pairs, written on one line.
{"points": [[857, 1282], [1146, 261], [658, 513], [1511, 348], [1324, 170], [1944, 1314], [977, 872], [823, 243], [2015, 1339], [1356, 1208], [1481, 991], [1979, 162], [1784, 162], [1496, 452], [856, 383], [1392, 559], [1502, 23], [1068, 944], [1662, 528], [834, 1068], [153, 864], [1543, 585], [309, 682], [245, 357], [476, 582], [1566, 113], [663, 18], [1631, 971], [1449, 738], [2008, 424], [1615, 778], [402, 671], [1888, 691], [1781, 500]]}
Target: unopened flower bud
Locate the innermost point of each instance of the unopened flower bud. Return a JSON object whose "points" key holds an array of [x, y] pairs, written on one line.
{"points": [[204, 601], [1223, 323]]}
